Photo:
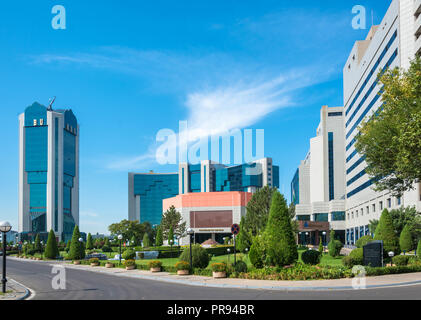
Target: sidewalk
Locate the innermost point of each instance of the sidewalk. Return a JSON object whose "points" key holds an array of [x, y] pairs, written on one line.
{"points": [[14, 291], [312, 285]]}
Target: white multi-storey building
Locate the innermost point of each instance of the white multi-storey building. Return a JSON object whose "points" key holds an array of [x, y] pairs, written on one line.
{"points": [[48, 172], [393, 43], [318, 187]]}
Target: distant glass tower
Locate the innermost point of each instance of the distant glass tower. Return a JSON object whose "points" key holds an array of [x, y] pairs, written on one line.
{"points": [[48, 172]]}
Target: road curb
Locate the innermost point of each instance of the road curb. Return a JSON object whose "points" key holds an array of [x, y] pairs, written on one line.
{"points": [[29, 293], [250, 287]]}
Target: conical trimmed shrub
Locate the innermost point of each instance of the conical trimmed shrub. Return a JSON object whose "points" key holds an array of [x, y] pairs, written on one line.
{"points": [[278, 238], [38, 247], [419, 249], [146, 242], [159, 237], [89, 243], [77, 249], [51, 249], [405, 240], [386, 233]]}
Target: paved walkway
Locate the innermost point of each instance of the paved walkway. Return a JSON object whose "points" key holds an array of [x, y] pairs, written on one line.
{"points": [[14, 291], [339, 284]]}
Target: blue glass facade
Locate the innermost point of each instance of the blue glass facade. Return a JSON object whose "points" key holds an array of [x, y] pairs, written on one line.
{"points": [[37, 154], [331, 168], [152, 189], [194, 178], [295, 188], [237, 178]]}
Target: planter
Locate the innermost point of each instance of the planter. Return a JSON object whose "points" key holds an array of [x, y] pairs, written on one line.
{"points": [[219, 275], [156, 269], [94, 264], [130, 267], [109, 265], [183, 272], [76, 262]]}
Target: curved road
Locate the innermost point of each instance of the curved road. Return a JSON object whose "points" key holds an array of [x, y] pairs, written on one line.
{"points": [[86, 285]]}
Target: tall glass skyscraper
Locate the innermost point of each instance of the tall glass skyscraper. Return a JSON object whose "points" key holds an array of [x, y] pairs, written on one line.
{"points": [[48, 172]]}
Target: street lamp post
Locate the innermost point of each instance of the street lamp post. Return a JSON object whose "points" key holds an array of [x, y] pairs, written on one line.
{"points": [[391, 255], [120, 237], [324, 239], [5, 227], [228, 250], [190, 232], [307, 239]]}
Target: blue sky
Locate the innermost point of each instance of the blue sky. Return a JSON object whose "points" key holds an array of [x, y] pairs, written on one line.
{"points": [[129, 70]]}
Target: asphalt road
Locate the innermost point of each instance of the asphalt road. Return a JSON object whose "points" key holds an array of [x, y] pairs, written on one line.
{"points": [[86, 285]]}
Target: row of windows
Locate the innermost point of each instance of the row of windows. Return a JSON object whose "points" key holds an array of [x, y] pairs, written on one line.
{"points": [[358, 176], [372, 208], [335, 114], [356, 164], [392, 58], [353, 234], [323, 217], [41, 122], [373, 70]]}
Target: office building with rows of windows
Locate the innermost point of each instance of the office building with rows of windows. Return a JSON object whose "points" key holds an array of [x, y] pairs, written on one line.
{"points": [[391, 44], [48, 172], [148, 190], [318, 187]]}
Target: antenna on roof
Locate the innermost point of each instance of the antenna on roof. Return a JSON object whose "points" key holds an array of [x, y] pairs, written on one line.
{"points": [[50, 107]]}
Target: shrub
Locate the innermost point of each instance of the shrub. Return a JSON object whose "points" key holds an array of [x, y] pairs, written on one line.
{"points": [[335, 246], [94, 260], [256, 254], [400, 261], [89, 244], [51, 249], [240, 267], [321, 248], [182, 265], [199, 255], [154, 264], [278, 238], [128, 254], [219, 267], [311, 257], [361, 242], [405, 240], [129, 263], [106, 248], [146, 241], [159, 237], [355, 258], [386, 232]]}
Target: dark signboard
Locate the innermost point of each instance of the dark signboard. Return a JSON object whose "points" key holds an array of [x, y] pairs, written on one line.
{"points": [[373, 254]]}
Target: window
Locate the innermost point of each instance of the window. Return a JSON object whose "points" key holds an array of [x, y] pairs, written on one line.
{"points": [[381, 205], [368, 209], [389, 203], [35, 122], [399, 201], [353, 215], [41, 122], [374, 207], [335, 114]]}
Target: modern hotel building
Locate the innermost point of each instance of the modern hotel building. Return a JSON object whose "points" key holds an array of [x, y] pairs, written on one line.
{"points": [[48, 172], [391, 44], [318, 187]]}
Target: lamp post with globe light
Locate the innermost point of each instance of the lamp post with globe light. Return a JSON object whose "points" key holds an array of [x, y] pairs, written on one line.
{"points": [[190, 232], [5, 227], [120, 237]]}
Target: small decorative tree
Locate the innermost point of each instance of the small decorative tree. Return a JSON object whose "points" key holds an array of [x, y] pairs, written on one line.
{"points": [[133, 242], [386, 233], [159, 236], [51, 249], [146, 242], [77, 248], [321, 248], [170, 235], [38, 246], [89, 243], [405, 240], [278, 238], [419, 249]]}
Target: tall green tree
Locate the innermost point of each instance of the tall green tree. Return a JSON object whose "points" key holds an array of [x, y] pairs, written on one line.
{"points": [[51, 249], [244, 239], [89, 243], [279, 239], [419, 249], [391, 139], [159, 237], [77, 248], [258, 209], [407, 217], [387, 234], [405, 240], [129, 229], [372, 226], [170, 234], [172, 218]]}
